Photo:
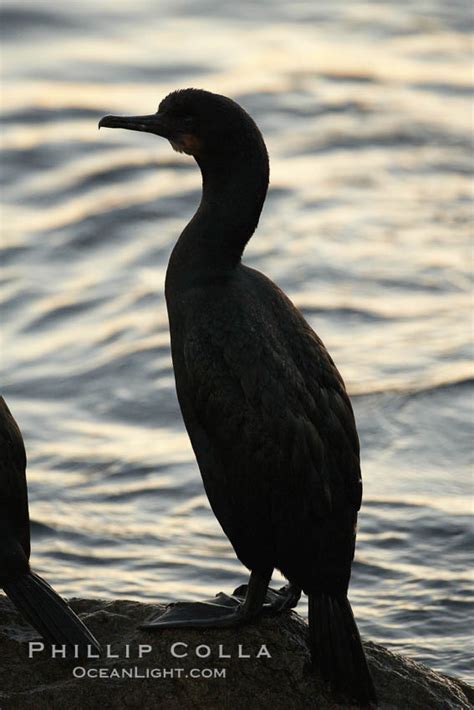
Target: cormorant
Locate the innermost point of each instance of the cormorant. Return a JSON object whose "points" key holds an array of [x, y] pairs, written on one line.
{"points": [[265, 408], [32, 595]]}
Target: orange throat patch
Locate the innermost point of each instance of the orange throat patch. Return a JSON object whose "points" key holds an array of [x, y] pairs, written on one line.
{"points": [[187, 143]]}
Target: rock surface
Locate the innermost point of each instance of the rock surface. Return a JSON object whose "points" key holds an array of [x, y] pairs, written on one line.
{"points": [[280, 682]]}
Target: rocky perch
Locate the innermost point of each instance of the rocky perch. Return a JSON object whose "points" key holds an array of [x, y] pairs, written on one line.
{"points": [[201, 670]]}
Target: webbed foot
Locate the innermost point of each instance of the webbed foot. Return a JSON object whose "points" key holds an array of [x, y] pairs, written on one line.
{"points": [[225, 611], [219, 611]]}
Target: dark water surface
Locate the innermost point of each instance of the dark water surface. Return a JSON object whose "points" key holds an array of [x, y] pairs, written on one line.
{"points": [[367, 115]]}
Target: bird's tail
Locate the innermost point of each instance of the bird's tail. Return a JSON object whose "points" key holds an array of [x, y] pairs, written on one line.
{"points": [[49, 613], [336, 648]]}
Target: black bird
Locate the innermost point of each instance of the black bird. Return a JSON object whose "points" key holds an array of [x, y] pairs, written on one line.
{"points": [[32, 595], [265, 408]]}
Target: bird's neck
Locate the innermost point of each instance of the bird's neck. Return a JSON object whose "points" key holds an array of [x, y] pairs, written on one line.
{"points": [[233, 192]]}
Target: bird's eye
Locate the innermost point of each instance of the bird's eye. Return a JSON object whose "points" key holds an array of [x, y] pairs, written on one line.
{"points": [[188, 120]]}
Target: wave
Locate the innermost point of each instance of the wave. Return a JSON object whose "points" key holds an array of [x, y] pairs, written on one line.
{"points": [[408, 391]]}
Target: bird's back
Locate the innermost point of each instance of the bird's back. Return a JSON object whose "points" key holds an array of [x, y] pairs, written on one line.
{"points": [[14, 518], [270, 423]]}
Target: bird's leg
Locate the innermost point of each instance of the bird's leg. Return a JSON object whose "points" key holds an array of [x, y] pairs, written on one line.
{"points": [[276, 600], [284, 599], [220, 611], [256, 594]]}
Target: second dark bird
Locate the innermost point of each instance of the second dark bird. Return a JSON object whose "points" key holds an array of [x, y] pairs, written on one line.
{"points": [[46, 611]]}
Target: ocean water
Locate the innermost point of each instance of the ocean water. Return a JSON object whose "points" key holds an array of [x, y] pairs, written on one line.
{"points": [[366, 109]]}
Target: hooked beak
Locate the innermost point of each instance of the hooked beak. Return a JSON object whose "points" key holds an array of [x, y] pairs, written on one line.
{"points": [[154, 123]]}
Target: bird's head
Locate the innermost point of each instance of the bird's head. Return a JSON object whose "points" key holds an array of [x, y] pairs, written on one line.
{"points": [[198, 123]]}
